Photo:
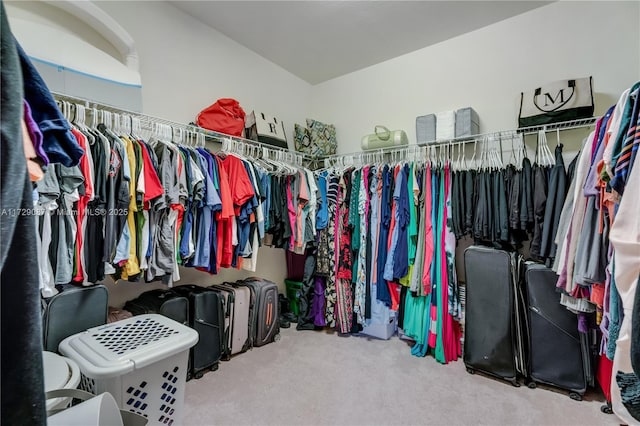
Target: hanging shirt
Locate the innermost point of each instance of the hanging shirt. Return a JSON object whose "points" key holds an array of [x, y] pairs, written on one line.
{"points": [[428, 232], [322, 215], [49, 191], [394, 229], [312, 205], [401, 265], [414, 192], [202, 257], [225, 218], [385, 224], [86, 164], [241, 190], [117, 203]]}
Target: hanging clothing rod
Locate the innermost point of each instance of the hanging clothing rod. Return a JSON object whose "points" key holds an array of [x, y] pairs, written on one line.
{"points": [[209, 135], [503, 135]]}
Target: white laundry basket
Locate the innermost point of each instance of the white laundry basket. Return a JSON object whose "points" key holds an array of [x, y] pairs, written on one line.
{"points": [[141, 361]]}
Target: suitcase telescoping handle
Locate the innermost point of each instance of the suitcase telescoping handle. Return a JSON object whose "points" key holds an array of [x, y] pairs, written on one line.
{"points": [[208, 324]]}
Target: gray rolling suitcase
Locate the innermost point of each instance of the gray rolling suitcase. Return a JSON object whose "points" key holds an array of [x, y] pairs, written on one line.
{"points": [[73, 310], [239, 298], [495, 319], [557, 350], [264, 310]]}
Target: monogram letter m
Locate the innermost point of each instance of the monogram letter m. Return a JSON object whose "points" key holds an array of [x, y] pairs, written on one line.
{"points": [[548, 98]]}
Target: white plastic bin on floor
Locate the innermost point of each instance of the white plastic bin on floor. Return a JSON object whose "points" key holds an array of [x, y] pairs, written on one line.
{"points": [[141, 361]]}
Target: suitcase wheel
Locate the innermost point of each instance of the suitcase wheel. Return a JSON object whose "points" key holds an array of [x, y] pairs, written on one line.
{"points": [[532, 385], [276, 337], [515, 383], [575, 396], [471, 370], [606, 408], [198, 375]]}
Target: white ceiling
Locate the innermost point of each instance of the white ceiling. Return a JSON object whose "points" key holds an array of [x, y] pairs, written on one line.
{"points": [[321, 40]]}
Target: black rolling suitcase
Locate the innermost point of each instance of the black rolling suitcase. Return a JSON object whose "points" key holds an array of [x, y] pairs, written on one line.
{"points": [[72, 310], [263, 312], [207, 318], [494, 340], [556, 348], [161, 301]]}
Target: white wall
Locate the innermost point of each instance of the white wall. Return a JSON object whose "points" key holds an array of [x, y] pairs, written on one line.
{"points": [[487, 69], [186, 66]]}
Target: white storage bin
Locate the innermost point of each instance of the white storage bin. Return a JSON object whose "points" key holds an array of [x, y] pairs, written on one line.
{"points": [[382, 330], [141, 361]]}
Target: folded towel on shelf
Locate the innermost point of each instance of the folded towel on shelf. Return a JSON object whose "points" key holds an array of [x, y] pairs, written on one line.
{"points": [[445, 125]]}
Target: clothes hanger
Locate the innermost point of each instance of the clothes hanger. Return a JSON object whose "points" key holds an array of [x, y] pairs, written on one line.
{"points": [[545, 153], [499, 153]]}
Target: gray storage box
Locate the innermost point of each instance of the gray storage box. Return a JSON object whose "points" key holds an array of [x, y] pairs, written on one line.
{"points": [[426, 128], [467, 122]]}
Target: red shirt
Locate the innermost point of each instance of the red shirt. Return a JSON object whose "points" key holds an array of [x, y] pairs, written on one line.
{"points": [[152, 185], [239, 182]]}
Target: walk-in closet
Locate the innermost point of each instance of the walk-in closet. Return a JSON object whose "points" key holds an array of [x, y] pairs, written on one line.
{"points": [[320, 212]]}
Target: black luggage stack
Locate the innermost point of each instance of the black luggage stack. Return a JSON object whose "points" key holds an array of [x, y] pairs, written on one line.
{"points": [[494, 342], [213, 312], [516, 326]]}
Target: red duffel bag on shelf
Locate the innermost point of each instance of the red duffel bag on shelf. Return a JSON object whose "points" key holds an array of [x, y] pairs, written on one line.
{"points": [[224, 116]]}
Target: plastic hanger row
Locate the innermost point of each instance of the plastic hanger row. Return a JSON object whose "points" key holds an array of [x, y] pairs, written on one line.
{"points": [[273, 160], [489, 156], [129, 124]]}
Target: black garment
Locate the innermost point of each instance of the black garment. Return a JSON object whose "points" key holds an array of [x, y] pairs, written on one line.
{"points": [[480, 227], [540, 185], [635, 335], [403, 296], [489, 206], [456, 204], [469, 198], [21, 334], [526, 200], [502, 231], [461, 199], [556, 195], [385, 224], [513, 180], [495, 205], [93, 245], [571, 170], [305, 313]]}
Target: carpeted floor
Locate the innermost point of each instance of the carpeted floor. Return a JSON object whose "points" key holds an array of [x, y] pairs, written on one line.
{"points": [[320, 378]]}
